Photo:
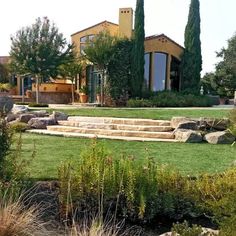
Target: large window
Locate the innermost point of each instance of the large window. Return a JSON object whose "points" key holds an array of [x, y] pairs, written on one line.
{"points": [[160, 62], [147, 69]]}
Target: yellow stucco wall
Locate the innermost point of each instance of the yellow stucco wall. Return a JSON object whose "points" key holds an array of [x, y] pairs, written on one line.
{"points": [[113, 29], [125, 22], [163, 44], [63, 88]]}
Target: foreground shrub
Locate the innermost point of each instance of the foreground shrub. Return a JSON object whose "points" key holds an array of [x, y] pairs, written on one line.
{"points": [[5, 143], [19, 127], [171, 99], [38, 105], [18, 220], [232, 118], [144, 191], [138, 192]]}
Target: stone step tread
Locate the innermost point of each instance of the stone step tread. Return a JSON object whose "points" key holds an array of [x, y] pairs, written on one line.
{"points": [[129, 133], [154, 128], [81, 135], [114, 120]]}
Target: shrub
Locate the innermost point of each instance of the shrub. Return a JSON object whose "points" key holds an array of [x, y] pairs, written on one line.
{"points": [[144, 192], [139, 192], [38, 105], [12, 166], [5, 141], [19, 127], [232, 118], [5, 87], [171, 99], [16, 219], [185, 230], [22, 103]]}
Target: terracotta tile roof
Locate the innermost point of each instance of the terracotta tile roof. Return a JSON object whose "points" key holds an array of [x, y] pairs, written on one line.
{"points": [[103, 22], [163, 35]]}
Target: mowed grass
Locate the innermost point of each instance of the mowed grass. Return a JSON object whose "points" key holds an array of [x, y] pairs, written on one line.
{"points": [[162, 114], [190, 159]]}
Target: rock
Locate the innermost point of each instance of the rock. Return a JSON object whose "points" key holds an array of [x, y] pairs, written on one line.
{"points": [[187, 125], [56, 115], [19, 109], [41, 113], [188, 136], [205, 232], [6, 104], [11, 117], [217, 124], [209, 232], [175, 121], [41, 123], [25, 117], [220, 137]]}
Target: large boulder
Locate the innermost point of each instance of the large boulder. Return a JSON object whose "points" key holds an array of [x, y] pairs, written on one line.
{"points": [[6, 104], [220, 137], [188, 125], [175, 121], [11, 117], [188, 136], [41, 122], [19, 109], [217, 124], [56, 115], [25, 117], [40, 113]]}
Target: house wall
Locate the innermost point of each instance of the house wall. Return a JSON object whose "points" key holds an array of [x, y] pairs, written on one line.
{"points": [[59, 88], [53, 97], [113, 29], [164, 45]]}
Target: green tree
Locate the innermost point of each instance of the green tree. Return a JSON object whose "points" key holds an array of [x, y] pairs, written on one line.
{"points": [[39, 50], [100, 52], [223, 80], [4, 73], [192, 57], [137, 67], [226, 69], [119, 75], [71, 70]]}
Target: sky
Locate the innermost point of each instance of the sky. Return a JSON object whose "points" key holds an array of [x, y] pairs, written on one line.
{"points": [[218, 19]]}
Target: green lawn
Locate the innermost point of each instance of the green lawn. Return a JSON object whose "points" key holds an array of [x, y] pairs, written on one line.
{"points": [[148, 113], [188, 158]]}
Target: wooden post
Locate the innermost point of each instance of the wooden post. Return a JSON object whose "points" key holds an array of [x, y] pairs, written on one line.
{"points": [[22, 89], [37, 89]]}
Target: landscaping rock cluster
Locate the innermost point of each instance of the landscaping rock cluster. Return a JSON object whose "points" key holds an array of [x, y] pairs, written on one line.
{"points": [[34, 119], [190, 130]]}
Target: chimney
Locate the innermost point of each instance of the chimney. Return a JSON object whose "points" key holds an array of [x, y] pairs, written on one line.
{"points": [[125, 22]]}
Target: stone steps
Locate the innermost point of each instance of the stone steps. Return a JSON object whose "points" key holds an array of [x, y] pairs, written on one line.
{"points": [[124, 121], [81, 135], [112, 128], [107, 126], [110, 132]]}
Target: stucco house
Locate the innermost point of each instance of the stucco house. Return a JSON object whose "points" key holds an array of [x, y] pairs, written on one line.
{"points": [[162, 54]]}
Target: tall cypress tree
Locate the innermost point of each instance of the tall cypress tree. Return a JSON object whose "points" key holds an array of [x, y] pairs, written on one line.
{"points": [[137, 66], [192, 57]]}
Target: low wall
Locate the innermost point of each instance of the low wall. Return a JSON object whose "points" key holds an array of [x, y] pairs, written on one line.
{"points": [[53, 97], [52, 87]]}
